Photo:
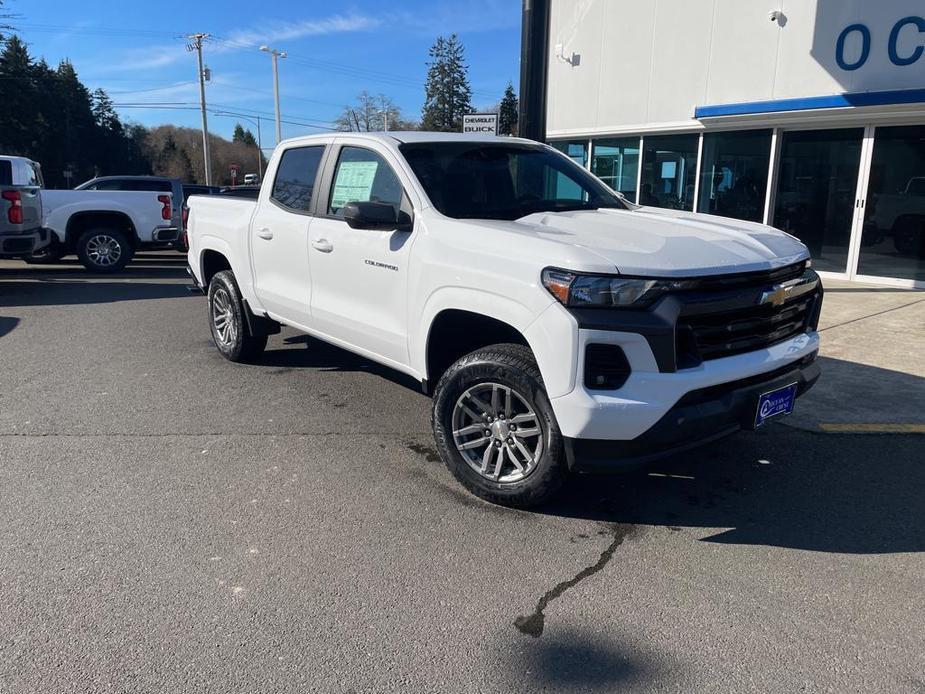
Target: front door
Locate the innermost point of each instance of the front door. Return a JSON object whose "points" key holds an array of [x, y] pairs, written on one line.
{"points": [[279, 237], [892, 243], [817, 192], [359, 276]]}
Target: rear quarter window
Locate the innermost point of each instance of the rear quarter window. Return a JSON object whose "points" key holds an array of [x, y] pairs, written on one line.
{"points": [[6, 173]]}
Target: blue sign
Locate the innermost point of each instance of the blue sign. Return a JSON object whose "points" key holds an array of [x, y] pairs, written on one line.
{"points": [[900, 55], [776, 403]]}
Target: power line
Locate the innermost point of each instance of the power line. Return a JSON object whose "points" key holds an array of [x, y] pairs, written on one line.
{"points": [[221, 109]]}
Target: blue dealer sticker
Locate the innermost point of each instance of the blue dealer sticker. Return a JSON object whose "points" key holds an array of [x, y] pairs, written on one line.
{"points": [[775, 404]]}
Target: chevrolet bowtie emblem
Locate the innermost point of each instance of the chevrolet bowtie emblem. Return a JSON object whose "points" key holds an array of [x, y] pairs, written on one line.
{"points": [[777, 295]]}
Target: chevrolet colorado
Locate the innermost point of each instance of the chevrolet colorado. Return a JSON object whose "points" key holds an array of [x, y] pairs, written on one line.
{"points": [[557, 325]]}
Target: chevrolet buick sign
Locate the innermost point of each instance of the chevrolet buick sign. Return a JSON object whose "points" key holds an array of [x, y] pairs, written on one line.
{"points": [[481, 123]]}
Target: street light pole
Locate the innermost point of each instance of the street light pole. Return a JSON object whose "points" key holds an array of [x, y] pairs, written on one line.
{"points": [[275, 54], [197, 46]]}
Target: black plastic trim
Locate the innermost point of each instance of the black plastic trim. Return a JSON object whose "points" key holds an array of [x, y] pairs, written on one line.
{"points": [[701, 416]]}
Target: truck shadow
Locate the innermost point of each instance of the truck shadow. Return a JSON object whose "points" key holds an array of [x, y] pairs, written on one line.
{"points": [[68, 282], [784, 487]]}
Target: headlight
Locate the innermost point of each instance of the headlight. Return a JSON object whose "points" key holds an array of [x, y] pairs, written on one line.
{"points": [[572, 289]]}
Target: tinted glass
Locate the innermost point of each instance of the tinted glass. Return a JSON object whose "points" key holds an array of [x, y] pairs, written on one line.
{"points": [[669, 168], [500, 181], [106, 185], [734, 174], [893, 240], [363, 176], [295, 177], [616, 163], [576, 150], [6, 172], [816, 192]]}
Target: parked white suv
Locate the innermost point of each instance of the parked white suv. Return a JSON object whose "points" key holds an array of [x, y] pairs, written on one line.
{"points": [[557, 325]]}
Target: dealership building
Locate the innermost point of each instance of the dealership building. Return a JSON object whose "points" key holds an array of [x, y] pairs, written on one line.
{"points": [[805, 114]]}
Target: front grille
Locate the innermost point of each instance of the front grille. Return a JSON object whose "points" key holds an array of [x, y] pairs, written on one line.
{"points": [[739, 323]]}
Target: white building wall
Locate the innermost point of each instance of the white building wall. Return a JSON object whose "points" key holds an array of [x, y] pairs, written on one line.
{"points": [[640, 65]]}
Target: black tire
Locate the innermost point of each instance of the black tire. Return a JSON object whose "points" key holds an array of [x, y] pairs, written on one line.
{"points": [[237, 345], [50, 254], [105, 251], [511, 366]]}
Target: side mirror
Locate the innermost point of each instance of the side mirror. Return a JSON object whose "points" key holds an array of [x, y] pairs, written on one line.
{"points": [[376, 216]]}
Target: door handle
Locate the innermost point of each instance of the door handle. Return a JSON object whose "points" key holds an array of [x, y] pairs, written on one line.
{"points": [[265, 234], [323, 245]]}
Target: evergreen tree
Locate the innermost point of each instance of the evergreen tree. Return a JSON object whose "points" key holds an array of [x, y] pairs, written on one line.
{"points": [[447, 94], [238, 133], [105, 113], [508, 112], [249, 139], [20, 98]]}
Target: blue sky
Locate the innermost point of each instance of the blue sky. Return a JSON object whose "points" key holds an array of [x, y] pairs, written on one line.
{"points": [[135, 51]]}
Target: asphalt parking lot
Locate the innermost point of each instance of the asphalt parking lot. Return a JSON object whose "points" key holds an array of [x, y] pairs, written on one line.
{"points": [[170, 521]]}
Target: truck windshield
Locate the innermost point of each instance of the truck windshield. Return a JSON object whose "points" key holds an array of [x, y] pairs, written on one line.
{"points": [[477, 180]]}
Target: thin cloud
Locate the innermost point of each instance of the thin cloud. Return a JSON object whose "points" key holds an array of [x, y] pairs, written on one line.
{"points": [[288, 31], [164, 55]]}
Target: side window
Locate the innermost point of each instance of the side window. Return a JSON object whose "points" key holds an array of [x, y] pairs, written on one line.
{"points": [[107, 185], [295, 177], [363, 176]]}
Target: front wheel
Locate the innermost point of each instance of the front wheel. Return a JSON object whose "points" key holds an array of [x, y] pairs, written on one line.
{"points": [[226, 319], [495, 428]]}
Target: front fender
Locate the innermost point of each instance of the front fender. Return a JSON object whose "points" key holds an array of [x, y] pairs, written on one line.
{"points": [[553, 341]]}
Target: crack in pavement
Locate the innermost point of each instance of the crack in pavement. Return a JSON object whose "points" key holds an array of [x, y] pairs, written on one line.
{"points": [[533, 624], [872, 315]]}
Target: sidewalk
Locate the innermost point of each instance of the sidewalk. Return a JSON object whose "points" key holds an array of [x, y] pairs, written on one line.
{"points": [[873, 363]]}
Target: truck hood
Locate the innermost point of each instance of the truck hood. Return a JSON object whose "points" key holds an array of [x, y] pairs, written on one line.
{"points": [[655, 242]]}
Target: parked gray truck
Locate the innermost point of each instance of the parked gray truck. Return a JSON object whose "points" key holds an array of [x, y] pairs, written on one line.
{"points": [[21, 231]]}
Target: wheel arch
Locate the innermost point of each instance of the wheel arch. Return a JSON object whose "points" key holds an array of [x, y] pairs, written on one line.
{"points": [[457, 321], [81, 222]]}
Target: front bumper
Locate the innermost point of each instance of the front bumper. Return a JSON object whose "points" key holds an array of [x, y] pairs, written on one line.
{"points": [[20, 244], [700, 416]]}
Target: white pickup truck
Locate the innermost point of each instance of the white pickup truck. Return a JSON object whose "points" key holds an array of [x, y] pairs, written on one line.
{"points": [[558, 326], [104, 227]]}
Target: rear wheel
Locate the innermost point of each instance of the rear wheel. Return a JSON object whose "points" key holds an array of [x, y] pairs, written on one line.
{"points": [[226, 320], [104, 250], [496, 430]]}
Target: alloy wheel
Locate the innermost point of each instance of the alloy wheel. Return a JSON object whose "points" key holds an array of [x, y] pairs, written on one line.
{"points": [[104, 250], [223, 317], [497, 432]]}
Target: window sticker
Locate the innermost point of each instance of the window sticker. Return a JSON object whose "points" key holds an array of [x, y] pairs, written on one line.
{"points": [[354, 182]]}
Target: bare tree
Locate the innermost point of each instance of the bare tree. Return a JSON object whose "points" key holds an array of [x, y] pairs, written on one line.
{"points": [[372, 113]]}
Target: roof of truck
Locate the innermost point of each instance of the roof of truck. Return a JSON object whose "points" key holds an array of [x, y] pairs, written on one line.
{"points": [[415, 136]]}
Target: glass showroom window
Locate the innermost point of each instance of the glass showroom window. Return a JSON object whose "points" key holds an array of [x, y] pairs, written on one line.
{"points": [[734, 174], [816, 188], [576, 150], [616, 163], [893, 240], [669, 169]]}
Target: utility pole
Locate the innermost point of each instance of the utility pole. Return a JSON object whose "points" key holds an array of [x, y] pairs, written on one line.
{"points": [[196, 45], [275, 54]]}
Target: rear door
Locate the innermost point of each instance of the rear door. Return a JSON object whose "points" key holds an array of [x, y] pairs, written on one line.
{"points": [[360, 276], [279, 235]]}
